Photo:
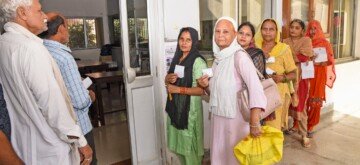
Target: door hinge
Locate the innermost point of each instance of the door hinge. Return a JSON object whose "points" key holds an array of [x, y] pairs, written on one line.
{"points": [[157, 73]]}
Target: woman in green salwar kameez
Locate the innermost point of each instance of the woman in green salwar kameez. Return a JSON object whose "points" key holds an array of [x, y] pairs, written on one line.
{"points": [[184, 107]]}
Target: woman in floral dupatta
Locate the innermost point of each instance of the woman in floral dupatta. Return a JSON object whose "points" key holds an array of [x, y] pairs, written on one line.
{"points": [[324, 75], [302, 53], [280, 66]]}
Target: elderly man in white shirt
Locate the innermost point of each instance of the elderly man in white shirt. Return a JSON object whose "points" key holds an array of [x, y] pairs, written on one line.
{"points": [[44, 126]]}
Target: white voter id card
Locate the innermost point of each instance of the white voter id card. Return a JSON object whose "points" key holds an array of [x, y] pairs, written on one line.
{"points": [[87, 82], [208, 72], [321, 55], [179, 70], [270, 60], [270, 71]]}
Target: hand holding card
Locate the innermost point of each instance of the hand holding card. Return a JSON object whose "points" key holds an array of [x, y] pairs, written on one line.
{"points": [[87, 82], [321, 55], [270, 60], [179, 70], [208, 72], [270, 71]]}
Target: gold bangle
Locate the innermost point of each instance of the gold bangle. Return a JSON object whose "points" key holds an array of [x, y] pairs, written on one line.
{"points": [[255, 126]]}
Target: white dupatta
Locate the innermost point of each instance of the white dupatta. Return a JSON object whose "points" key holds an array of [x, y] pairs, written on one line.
{"points": [[223, 100]]}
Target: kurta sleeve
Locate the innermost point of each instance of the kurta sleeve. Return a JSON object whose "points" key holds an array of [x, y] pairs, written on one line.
{"points": [[247, 70], [40, 78], [289, 63], [198, 66], [307, 49]]}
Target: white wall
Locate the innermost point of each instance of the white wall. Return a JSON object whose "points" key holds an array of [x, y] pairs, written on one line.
{"points": [[175, 15], [180, 14], [77, 8], [113, 7]]}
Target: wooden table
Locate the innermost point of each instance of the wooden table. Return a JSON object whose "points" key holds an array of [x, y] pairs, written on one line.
{"points": [[99, 78], [90, 66]]}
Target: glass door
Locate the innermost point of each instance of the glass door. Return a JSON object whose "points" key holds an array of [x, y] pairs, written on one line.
{"points": [[341, 37]]}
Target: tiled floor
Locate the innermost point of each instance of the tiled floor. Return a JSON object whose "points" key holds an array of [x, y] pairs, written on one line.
{"points": [[337, 137], [112, 141], [335, 142]]}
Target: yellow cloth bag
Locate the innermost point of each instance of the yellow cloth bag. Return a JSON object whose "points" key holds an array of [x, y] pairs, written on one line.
{"points": [[267, 149]]}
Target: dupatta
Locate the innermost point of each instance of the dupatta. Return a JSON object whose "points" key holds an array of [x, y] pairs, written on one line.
{"points": [[178, 108], [279, 48], [319, 40]]}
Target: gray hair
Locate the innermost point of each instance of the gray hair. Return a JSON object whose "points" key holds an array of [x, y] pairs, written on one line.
{"points": [[8, 8]]}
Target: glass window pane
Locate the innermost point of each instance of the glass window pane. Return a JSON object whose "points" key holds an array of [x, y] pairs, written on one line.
{"points": [[117, 32], [91, 33], [322, 13], [300, 9], [210, 11], [341, 37], [247, 11], [76, 33], [138, 36]]}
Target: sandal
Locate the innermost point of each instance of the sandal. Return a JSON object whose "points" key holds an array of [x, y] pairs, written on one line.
{"points": [[306, 142], [310, 134], [291, 131]]}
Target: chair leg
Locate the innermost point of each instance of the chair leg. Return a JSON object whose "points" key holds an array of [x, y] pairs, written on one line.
{"points": [[120, 88], [108, 86]]}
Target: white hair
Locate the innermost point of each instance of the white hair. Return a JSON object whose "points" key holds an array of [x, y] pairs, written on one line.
{"points": [[8, 8], [216, 48]]}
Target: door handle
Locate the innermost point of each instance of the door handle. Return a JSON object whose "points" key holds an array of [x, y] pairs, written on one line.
{"points": [[131, 74]]}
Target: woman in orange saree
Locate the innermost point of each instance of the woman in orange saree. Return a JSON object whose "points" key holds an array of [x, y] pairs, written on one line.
{"points": [[324, 75]]}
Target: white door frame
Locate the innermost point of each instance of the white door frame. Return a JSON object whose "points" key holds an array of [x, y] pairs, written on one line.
{"points": [[157, 47], [144, 150]]}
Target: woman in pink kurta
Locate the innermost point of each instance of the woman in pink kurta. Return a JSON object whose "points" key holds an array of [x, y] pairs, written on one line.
{"points": [[226, 133], [231, 65]]}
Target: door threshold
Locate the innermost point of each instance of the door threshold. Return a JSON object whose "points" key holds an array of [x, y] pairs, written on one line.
{"points": [[345, 60], [124, 162]]}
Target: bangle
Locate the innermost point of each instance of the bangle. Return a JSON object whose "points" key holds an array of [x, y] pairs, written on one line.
{"points": [[205, 87], [183, 90], [255, 125], [285, 79]]}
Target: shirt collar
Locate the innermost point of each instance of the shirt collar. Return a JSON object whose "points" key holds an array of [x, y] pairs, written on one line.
{"points": [[17, 28], [52, 43]]}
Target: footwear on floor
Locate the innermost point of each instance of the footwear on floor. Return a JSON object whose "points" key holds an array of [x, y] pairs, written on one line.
{"points": [[310, 134], [306, 142], [291, 131]]}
